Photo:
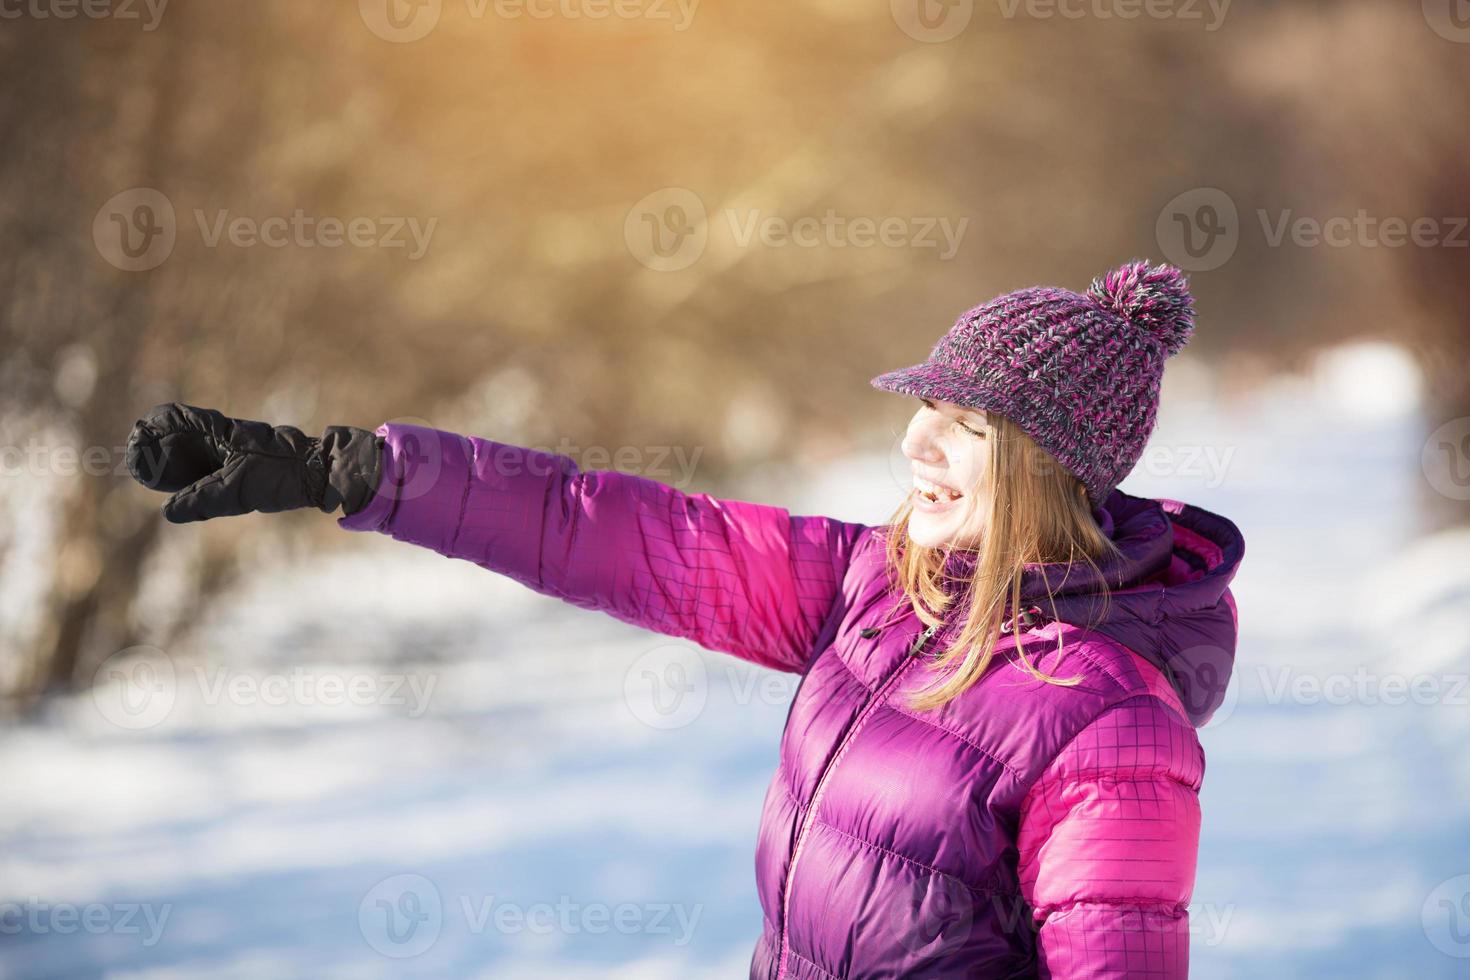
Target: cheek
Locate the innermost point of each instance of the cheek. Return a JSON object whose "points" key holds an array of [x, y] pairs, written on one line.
{"points": [[968, 464]]}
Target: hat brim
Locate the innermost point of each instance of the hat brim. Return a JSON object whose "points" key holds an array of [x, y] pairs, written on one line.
{"points": [[931, 380], [943, 383]]}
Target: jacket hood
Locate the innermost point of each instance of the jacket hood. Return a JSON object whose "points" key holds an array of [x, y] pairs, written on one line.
{"points": [[1165, 596]]}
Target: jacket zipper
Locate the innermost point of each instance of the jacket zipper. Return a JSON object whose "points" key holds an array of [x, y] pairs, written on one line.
{"points": [[811, 810]]}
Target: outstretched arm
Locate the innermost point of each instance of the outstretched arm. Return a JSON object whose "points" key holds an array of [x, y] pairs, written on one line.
{"points": [[736, 577], [1108, 842]]}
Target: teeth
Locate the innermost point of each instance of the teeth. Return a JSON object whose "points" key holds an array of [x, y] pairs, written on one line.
{"points": [[934, 492]]}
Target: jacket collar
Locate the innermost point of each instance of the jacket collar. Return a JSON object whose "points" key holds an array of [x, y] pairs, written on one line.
{"points": [[1165, 595]]}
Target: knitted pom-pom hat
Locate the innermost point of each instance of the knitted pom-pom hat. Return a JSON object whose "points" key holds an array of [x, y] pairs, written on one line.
{"points": [[1078, 373]]}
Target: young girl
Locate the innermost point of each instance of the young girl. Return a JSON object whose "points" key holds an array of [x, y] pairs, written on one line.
{"points": [[990, 768]]}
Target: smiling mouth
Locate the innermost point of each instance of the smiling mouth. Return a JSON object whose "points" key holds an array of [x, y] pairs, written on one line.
{"points": [[936, 493]]}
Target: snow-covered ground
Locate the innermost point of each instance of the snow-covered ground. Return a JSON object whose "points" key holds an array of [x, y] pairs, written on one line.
{"points": [[424, 769]]}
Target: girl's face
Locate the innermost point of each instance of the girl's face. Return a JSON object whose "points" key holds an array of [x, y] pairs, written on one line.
{"points": [[947, 452]]}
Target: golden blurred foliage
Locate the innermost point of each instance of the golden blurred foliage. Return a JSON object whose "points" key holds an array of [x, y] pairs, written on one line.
{"points": [[659, 223]]}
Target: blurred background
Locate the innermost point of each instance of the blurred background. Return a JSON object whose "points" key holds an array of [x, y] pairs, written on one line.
{"points": [[678, 239]]}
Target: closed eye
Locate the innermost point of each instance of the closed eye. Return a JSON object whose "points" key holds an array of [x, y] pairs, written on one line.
{"points": [[972, 431]]}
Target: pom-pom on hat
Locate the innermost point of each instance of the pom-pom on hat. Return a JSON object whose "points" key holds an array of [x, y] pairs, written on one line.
{"points": [[1078, 373]]}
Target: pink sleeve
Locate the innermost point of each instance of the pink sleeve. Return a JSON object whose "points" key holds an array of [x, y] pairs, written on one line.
{"points": [[736, 577], [1108, 842]]}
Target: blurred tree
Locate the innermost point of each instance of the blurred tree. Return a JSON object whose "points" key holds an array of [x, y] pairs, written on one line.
{"points": [[525, 143]]}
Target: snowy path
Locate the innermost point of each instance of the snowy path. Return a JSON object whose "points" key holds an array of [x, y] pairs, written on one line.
{"points": [[563, 833]]}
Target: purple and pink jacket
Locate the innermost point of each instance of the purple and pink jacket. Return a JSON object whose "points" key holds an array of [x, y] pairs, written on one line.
{"points": [[1024, 829]]}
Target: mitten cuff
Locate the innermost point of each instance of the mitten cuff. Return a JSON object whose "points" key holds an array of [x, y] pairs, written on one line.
{"points": [[352, 468]]}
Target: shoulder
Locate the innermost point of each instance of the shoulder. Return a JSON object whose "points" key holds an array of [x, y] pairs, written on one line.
{"points": [[1137, 736], [1119, 707]]}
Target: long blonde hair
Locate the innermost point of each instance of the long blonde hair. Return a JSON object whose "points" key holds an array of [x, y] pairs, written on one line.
{"points": [[1037, 513]]}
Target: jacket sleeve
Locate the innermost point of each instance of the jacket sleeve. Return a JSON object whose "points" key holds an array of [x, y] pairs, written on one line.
{"points": [[735, 577], [1108, 842]]}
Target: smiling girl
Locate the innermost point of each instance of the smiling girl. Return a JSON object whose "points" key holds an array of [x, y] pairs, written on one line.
{"points": [[990, 768]]}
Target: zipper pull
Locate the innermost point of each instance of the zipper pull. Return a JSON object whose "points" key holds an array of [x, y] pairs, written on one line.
{"points": [[923, 638]]}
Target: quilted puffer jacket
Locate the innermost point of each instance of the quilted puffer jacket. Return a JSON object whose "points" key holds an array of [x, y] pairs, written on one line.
{"points": [[1024, 829]]}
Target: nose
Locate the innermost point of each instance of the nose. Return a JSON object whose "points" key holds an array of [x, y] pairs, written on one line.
{"points": [[919, 445]]}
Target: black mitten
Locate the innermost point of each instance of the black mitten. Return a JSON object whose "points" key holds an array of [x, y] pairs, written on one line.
{"points": [[216, 466]]}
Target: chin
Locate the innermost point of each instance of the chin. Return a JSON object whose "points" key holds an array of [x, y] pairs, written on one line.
{"points": [[929, 534]]}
